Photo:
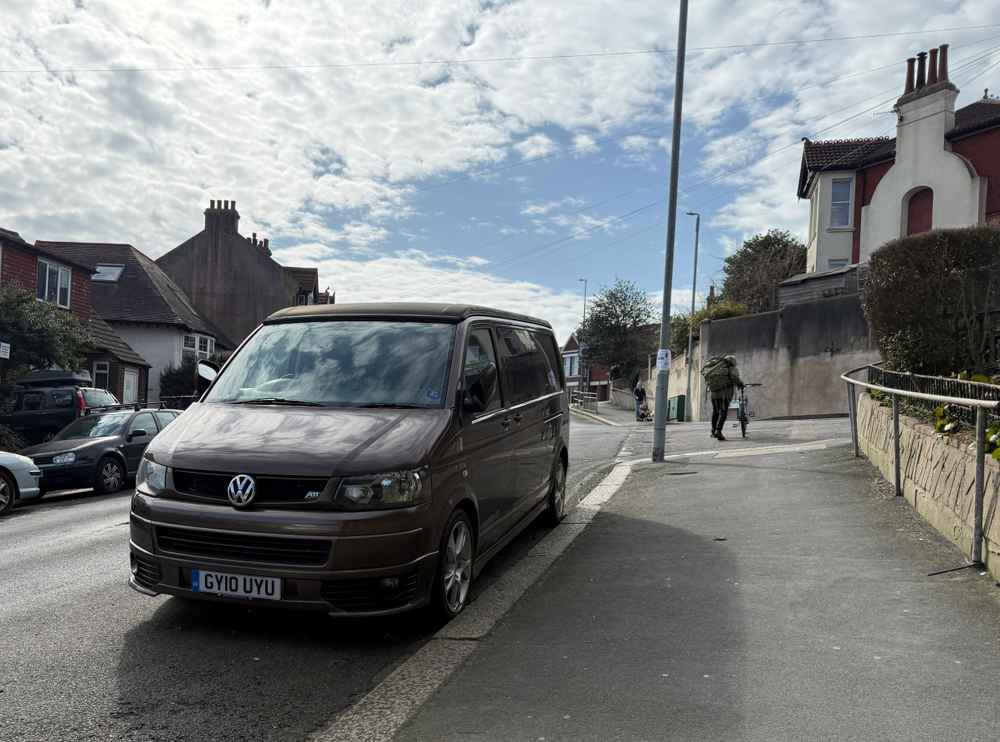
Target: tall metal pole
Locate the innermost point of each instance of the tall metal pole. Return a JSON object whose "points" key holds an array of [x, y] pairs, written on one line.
{"points": [[694, 288], [662, 367], [584, 280]]}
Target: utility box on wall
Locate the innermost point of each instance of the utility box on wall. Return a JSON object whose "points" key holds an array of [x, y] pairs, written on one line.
{"points": [[676, 407]]}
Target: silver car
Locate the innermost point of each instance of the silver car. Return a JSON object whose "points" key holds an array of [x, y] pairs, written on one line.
{"points": [[19, 479]]}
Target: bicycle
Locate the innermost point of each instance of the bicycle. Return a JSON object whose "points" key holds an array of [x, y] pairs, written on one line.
{"points": [[743, 411]]}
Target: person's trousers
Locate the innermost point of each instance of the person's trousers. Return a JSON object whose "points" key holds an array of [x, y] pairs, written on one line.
{"points": [[720, 410], [638, 406]]}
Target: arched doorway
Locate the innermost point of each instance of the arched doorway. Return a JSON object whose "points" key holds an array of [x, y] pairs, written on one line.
{"points": [[919, 211]]}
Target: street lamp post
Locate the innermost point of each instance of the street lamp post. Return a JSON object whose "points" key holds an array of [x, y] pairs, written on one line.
{"points": [[584, 282], [663, 366], [584, 371], [694, 288]]}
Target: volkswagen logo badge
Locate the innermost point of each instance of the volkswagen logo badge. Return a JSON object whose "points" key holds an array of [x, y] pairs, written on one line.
{"points": [[241, 490]]}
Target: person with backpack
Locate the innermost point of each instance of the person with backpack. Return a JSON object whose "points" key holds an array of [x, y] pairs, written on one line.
{"points": [[640, 399], [722, 379]]}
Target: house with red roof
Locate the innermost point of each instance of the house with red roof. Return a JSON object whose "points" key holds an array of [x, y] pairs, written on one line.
{"points": [[942, 169]]}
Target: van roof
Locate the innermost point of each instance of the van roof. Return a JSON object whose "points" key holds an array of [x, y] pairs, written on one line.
{"points": [[438, 312]]}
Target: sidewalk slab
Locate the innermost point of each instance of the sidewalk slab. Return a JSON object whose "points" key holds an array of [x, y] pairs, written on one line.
{"points": [[772, 597]]}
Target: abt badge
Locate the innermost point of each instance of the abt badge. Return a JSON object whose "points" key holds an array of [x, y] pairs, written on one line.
{"points": [[312, 495], [241, 490]]}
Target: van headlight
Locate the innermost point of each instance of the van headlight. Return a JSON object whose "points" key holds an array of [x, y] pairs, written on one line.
{"points": [[151, 479], [380, 491]]}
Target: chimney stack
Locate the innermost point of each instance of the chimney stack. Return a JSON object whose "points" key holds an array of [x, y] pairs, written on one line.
{"points": [[220, 217], [921, 70], [932, 69], [909, 75], [943, 64], [255, 239]]}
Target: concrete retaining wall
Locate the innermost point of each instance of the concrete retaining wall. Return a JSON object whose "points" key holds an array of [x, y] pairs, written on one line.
{"points": [[939, 476]]}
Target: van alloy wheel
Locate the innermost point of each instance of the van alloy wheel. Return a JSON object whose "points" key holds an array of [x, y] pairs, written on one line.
{"points": [[557, 496], [457, 572]]}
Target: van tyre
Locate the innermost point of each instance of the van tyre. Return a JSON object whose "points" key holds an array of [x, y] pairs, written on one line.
{"points": [[110, 475], [8, 492], [556, 510], [454, 575]]}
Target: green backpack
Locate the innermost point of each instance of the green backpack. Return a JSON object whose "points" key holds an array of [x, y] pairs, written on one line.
{"points": [[716, 374]]}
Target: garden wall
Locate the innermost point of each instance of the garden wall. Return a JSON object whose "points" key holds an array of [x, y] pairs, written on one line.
{"points": [[939, 476]]}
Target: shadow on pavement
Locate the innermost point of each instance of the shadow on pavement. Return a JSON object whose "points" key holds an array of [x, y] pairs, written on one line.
{"points": [[602, 647]]}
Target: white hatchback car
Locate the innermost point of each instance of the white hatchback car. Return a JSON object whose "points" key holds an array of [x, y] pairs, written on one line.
{"points": [[19, 479]]}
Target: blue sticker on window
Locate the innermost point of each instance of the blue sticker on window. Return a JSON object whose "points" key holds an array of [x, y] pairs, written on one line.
{"points": [[433, 394]]}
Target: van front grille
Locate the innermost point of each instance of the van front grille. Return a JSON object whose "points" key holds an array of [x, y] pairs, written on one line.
{"points": [[147, 572], [366, 594], [269, 490], [241, 547]]}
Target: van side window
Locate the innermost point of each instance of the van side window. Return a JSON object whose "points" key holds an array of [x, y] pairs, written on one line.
{"points": [[31, 401], [548, 344], [60, 398], [525, 371], [478, 354]]}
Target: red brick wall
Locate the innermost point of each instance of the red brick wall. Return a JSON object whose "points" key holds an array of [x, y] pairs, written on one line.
{"points": [[983, 151], [19, 267], [868, 179]]}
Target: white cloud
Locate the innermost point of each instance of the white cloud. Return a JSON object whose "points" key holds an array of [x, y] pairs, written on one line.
{"points": [[537, 145], [584, 144]]}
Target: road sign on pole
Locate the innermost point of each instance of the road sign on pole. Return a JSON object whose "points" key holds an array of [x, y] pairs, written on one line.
{"points": [[4, 350]]}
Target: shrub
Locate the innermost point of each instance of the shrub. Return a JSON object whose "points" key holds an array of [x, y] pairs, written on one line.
{"points": [[9, 440], [679, 322], [928, 298], [179, 381]]}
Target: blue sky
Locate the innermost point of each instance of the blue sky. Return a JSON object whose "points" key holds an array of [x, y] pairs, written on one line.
{"points": [[501, 178]]}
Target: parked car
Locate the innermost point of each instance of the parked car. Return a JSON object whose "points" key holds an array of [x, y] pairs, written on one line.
{"points": [[356, 459], [101, 450], [45, 401], [18, 480]]}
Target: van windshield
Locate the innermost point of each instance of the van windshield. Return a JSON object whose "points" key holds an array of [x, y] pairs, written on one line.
{"points": [[340, 363]]}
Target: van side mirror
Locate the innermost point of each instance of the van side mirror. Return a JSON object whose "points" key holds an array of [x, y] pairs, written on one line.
{"points": [[207, 371], [480, 389]]}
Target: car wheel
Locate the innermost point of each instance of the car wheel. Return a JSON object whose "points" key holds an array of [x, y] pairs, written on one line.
{"points": [[454, 577], [110, 475], [7, 492], [557, 495]]}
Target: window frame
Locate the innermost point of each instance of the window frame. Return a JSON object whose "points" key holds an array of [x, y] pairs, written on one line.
{"points": [[107, 279], [60, 271], [849, 202], [500, 396], [133, 424], [106, 372]]}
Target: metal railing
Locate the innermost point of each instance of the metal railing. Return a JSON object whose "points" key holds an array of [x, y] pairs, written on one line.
{"points": [[975, 400], [586, 400]]}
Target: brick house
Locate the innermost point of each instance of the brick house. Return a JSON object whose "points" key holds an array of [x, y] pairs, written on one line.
{"points": [[65, 281], [232, 280], [941, 170], [584, 377], [144, 307]]}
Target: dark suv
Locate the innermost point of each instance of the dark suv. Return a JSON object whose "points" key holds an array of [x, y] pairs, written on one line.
{"points": [[356, 459], [46, 401], [100, 450]]}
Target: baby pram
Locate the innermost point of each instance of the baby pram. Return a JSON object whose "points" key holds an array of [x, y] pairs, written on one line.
{"points": [[644, 414]]}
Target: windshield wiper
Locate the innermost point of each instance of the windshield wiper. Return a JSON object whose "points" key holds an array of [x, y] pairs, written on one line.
{"points": [[393, 405], [278, 401]]}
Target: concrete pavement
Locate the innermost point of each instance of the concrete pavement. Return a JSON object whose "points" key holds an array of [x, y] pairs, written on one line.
{"points": [[766, 595]]}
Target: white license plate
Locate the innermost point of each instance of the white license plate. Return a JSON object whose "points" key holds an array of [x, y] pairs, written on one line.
{"points": [[239, 586]]}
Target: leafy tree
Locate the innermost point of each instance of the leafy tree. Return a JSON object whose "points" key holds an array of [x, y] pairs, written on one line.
{"points": [[616, 331], [679, 322], [932, 300], [40, 334], [180, 381], [754, 271]]}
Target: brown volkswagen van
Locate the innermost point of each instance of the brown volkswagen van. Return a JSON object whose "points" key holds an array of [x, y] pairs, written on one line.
{"points": [[357, 459]]}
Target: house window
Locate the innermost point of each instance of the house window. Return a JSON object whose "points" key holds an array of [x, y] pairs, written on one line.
{"points": [[52, 283], [837, 263], [198, 346], [108, 272], [571, 365], [102, 375], [840, 203]]}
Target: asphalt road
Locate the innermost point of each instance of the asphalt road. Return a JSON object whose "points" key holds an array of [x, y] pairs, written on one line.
{"points": [[83, 657]]}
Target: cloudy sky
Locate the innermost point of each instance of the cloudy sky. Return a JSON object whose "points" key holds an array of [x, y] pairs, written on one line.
{"points": [[486, 150]]}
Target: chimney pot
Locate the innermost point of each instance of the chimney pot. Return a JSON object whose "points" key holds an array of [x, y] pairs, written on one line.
{"points": [[921, 70], [234, 204], [225, 205], [943, 64], [932, 68], [211, 204], [266, 243], [255, 239], [909, 75]]}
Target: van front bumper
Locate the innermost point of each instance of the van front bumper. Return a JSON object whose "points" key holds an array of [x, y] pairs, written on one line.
{"points": [[351, 575]]}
